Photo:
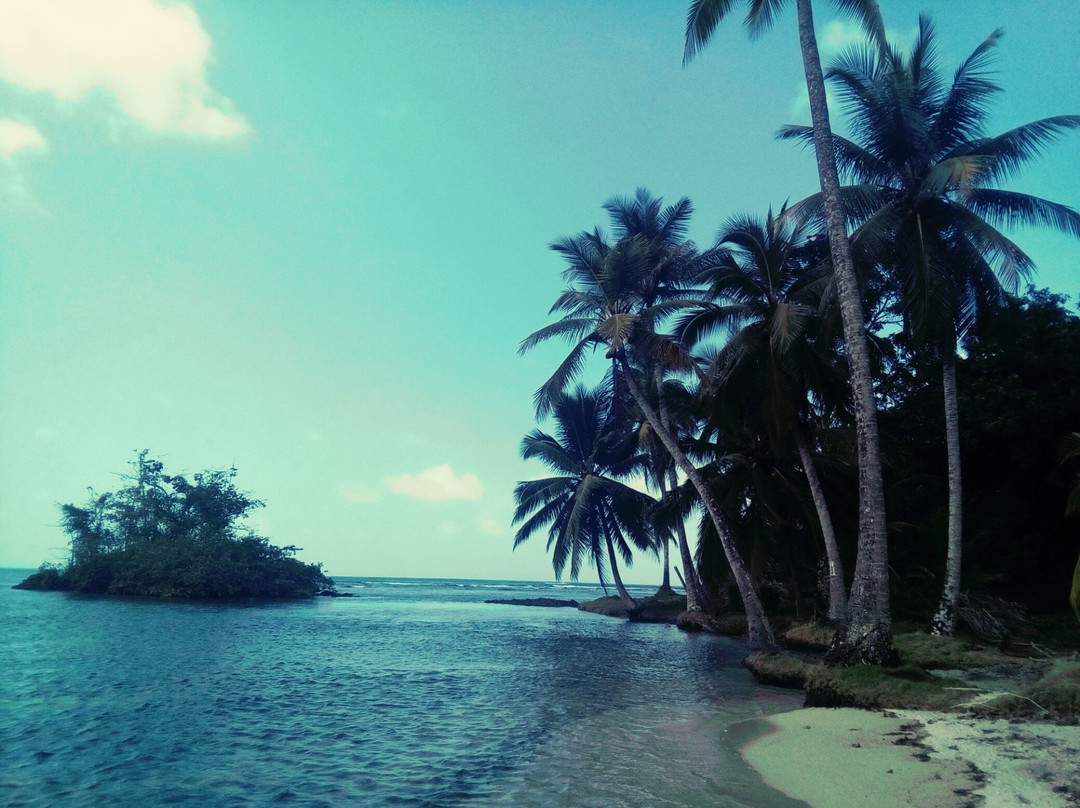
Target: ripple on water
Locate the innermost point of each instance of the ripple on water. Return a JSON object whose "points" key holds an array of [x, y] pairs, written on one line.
{"points": [[370, 702]]}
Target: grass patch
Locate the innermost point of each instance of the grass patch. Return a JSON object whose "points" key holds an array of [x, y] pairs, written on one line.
{"points": [[611, 606], [905, 686], [780, 670], [931, 652], [1059, 690], [809, 637]]}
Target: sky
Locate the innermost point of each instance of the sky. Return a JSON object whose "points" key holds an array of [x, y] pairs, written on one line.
{"points": [[305, 239]]}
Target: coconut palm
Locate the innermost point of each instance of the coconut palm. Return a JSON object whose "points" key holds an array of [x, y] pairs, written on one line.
{"points": [[867, 634], [669, 264], [589, 514], [927, 198], [602, 307], [768, 365]]}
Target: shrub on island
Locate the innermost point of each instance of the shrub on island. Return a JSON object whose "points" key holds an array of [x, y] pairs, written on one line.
{"points": [[165, 536]]}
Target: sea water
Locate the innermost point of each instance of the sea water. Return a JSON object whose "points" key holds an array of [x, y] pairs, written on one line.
{"points": [[409, 693]]}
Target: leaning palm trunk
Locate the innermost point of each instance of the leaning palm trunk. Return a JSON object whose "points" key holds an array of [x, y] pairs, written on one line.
{"points": [[665, 583], [837, 591], [867, 634], [759, 631], [695, 596], [630, 604], [665, 586], [945, 620]]}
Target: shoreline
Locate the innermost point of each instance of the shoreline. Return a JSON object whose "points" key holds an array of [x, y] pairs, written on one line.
{"points": [[840, 757]]}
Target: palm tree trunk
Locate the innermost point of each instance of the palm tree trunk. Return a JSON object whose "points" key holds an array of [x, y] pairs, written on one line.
{"points": [[837, 589], [944, 621], [665, 585], [695, 596], [630, 604], [760, 633], [867, 634]]}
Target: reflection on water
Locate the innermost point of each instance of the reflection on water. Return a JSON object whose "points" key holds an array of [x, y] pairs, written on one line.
{"points": [[411, 693]]}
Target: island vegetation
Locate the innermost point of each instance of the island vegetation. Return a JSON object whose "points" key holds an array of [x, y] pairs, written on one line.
{"points": [[163, 535], [863, 397]]}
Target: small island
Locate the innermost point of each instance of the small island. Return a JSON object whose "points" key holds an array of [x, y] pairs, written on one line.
{"points": [[165, 536]]}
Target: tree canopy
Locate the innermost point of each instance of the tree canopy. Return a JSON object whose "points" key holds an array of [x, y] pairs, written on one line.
{"points": [[164, 535]]}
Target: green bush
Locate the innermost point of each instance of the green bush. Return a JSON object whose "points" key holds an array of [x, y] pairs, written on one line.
{"points": [[163, 536]]}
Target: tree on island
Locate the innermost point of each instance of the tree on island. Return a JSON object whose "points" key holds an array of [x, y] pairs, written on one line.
{"points": [[165, 536]]}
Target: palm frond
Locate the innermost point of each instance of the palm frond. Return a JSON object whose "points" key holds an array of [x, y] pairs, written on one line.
{"points": [[573, 329], [543, 516], [532, 494], [541, 446], [701, 20], [760, 16], [962, 113], [1010, 151], [868, 15], [1013, 209], [550, 392]]}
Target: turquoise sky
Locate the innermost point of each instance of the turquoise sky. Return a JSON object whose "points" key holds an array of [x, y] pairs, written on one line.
{"points": [[305, 238]]}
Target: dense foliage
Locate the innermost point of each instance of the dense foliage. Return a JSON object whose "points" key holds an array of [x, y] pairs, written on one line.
{"points": [[904, 281], [165, 536], [1019, 397]]}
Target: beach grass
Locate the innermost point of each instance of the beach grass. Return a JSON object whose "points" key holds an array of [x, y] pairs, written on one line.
{"points": [[934, 673]]}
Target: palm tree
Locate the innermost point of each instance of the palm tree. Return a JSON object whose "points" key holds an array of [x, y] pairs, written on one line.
{"points": [[768, 365], [927, 200], [602, 307], [588, 513], [867, 634], [668, 267]]}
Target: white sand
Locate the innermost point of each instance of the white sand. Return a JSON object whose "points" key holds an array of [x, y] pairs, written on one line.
{"points": [[1024, 762], [835, 758]]}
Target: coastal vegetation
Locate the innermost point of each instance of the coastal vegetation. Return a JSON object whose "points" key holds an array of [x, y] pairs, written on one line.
{"points": [[164, 535], [821, 368]]}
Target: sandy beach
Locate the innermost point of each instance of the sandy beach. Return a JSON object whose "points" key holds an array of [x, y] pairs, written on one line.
{"points": [[834, 758]]}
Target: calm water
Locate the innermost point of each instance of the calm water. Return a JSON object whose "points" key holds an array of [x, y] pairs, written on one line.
{"points": [[411, 693]]}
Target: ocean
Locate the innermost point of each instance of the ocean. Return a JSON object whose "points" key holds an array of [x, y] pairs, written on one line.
{"points": [[413, 692]]}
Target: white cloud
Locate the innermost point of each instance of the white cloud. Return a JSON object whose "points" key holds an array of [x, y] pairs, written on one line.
{"points": [[836, 35], [358, 493], [448, 529], [489, 525], [16, 136], [150, 57], [436, 484]]}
